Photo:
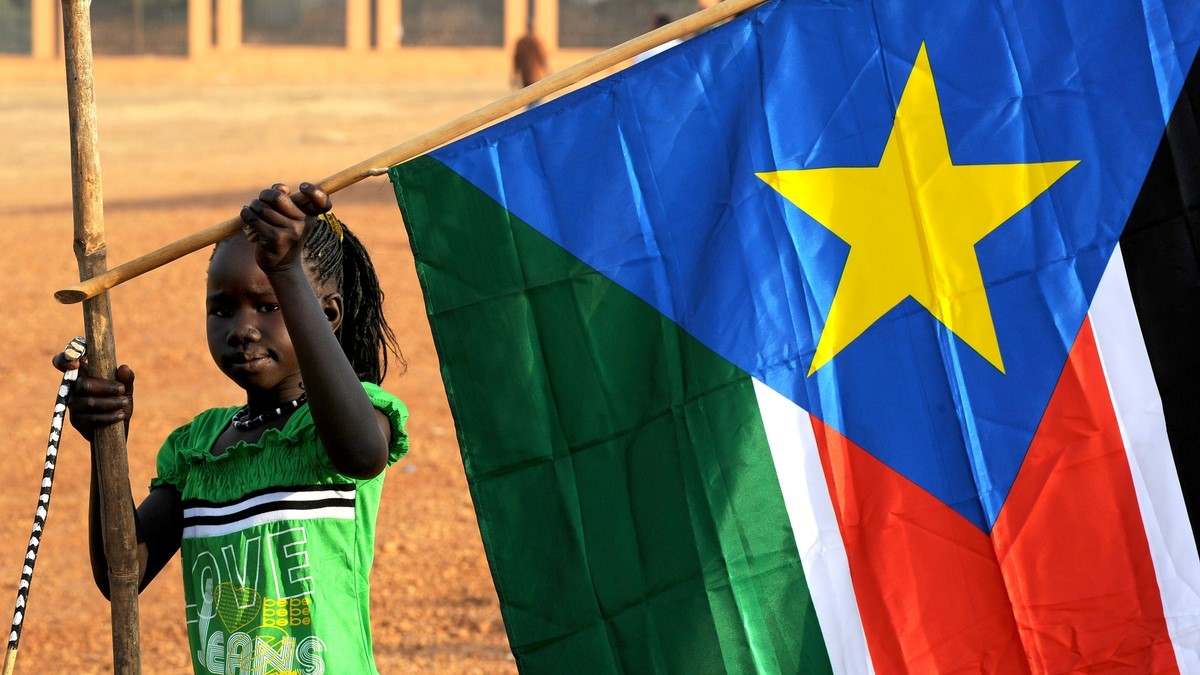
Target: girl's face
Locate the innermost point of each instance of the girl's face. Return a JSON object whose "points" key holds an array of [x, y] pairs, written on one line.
{"points": [[246, 335]]}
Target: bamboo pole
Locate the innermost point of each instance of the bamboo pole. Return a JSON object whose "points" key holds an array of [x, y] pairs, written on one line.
{"points": [[90, 252], [379, 163]]}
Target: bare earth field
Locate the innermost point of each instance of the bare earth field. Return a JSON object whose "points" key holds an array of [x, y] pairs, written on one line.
{"points": [[177, 157]]}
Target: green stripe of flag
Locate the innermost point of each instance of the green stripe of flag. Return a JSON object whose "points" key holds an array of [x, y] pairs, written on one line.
{"points": [[621, 476]]}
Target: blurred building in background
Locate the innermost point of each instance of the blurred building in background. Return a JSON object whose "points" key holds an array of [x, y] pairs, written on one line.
{"points": [[196, 29]]}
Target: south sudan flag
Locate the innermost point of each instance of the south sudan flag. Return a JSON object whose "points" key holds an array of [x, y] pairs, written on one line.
{"points": [[848, 336]]}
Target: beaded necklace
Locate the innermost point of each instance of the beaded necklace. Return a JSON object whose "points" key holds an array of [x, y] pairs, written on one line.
{"points": [[242, 424]]}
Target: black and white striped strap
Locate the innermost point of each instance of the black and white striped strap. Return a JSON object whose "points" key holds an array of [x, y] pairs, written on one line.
{"points": [[74, 350]]}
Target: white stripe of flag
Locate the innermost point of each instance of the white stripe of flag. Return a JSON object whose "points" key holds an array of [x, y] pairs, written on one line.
{"points": [[1139, 411], [819, 540]]}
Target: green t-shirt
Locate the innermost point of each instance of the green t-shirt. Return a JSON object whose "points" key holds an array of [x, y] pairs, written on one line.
{"points": [[277, 546]]}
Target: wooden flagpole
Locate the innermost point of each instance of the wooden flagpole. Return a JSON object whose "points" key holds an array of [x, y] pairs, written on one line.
{"points": [[120, 544], [379, 164]]}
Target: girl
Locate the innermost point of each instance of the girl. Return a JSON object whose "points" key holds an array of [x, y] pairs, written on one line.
{"points": [[272, 504]]}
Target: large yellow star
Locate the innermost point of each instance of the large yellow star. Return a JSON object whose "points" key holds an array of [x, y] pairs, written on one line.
{"points": [[912, 224]]}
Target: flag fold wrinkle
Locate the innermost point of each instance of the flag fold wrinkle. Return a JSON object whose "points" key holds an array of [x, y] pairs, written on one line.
{"points": [[841, 337]]}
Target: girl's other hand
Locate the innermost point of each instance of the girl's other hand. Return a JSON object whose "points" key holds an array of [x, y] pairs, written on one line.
{"points": [[278, 225], [95, 402]]}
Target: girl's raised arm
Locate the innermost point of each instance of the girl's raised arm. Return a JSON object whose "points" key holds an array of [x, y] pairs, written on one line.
{"points": [[356, 436]]}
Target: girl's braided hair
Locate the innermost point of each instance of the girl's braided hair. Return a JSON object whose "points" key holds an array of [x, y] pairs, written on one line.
{"points": [[334, 253]]}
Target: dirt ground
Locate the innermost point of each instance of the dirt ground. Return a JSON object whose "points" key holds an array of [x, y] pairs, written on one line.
{"points": [[177, 157]]}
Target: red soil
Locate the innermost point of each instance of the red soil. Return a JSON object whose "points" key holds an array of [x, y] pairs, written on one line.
{"points": [[179, 154]]}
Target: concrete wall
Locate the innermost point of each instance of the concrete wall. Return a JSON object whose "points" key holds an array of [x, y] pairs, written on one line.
{"points": [[216, 51]]}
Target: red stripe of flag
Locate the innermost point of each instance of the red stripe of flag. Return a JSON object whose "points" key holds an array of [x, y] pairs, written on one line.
{"points": [[1071, 542], [1064, 584], [927, 582]]}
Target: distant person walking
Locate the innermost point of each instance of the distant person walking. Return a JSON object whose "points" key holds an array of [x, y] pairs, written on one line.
{"points": [[529, 59]]}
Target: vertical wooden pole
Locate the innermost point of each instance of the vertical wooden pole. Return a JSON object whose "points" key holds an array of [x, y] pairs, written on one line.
{"points": [[200, 27], [358, 25], [516, 13], [120, 543], [43, 29], [387, 25], [546, 13], [229, 25]]}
